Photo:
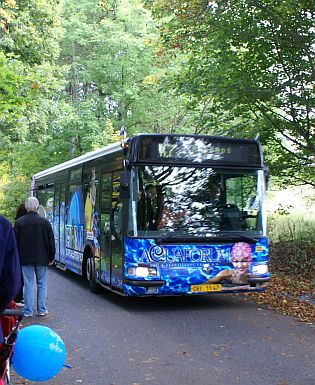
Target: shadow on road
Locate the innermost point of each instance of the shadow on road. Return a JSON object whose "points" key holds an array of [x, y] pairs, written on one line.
{"points": [[176, 303], [169, 303]]}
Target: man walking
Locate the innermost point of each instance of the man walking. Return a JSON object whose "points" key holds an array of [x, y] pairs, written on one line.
{"points": [[36, 245]]}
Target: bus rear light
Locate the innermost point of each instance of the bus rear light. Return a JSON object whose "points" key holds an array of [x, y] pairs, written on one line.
{"points": [[260, 269], [142, 271]]}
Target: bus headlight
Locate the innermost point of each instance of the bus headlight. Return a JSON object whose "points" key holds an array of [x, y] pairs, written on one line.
{"points": [[142, 271], [260, 269]]}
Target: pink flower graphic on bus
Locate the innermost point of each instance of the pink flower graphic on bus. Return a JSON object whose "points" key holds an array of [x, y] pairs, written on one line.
{"points": [[241, 260], [89, 207]]}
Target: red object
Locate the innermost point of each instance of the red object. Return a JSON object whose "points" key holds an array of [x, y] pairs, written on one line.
{"points": [[7, 323]]}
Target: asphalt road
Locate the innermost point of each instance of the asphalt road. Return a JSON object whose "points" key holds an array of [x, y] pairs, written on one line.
{"points": [[204, 340]]}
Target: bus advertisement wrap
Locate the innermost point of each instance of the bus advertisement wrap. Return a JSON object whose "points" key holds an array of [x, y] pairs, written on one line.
{"points": [[161, 215], [182, 266]]}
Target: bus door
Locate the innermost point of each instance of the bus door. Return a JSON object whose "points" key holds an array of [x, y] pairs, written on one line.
{"points": [[116, 233], [62, 236], [105, 214], [111, 239]]}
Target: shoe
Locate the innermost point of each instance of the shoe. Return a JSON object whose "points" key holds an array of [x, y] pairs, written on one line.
{"points": [[28, 315], [19, 304], [42, 314]]}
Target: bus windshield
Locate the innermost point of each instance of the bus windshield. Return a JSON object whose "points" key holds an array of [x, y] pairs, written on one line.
{"points": [[181, 202]]}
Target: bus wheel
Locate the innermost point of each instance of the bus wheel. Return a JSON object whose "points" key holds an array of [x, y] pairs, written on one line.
{"points": [[91, 275]]}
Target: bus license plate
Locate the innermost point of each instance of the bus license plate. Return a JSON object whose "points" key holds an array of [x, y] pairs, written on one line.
{"points": [[205, 288]]}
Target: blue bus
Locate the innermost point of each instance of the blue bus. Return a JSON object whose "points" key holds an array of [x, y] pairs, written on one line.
{"points": [[161, 214]]}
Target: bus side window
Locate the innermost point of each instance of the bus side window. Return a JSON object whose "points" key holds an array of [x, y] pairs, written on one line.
{"points": [[41, 195], [117, 208], [151, 206]]}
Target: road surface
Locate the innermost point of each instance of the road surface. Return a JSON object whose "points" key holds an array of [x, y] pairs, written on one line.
{"points": [[200, 340]]}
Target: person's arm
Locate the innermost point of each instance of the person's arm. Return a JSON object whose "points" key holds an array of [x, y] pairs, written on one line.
{"points": [[224, 274], [10, 279], [52, 245]]}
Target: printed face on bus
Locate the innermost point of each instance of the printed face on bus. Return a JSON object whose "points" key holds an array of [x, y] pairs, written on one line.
{"points": [[241, 264], [241, 257]]}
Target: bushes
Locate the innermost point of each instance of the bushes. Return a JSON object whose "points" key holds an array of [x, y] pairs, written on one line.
{"points": [[292, 244]]}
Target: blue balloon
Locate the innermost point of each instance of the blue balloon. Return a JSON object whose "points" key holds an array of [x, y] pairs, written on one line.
{"points": [[39, 353]]}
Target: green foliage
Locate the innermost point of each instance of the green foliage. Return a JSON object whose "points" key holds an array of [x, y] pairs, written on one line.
{"points": [[254, 59], [292, 243], [69, 81], [106, 76], [113, 73], [11, 80], [29, 79], [17, 164], [33, 31], [29, 48]]}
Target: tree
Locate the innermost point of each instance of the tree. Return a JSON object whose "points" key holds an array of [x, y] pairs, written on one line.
{"points": [[29, 78], [254, 62], [114, 73], [29, 34]]}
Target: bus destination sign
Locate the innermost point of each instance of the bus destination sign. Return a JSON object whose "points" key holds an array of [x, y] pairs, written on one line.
{"points": [[202, 150]]}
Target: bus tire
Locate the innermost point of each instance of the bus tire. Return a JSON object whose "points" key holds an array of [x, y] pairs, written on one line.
{"points": [[91, 275]]}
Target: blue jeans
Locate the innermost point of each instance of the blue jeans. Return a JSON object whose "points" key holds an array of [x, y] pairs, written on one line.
{"points": [[29, 272]]}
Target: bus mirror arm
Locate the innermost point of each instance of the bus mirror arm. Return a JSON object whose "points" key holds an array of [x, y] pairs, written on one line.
{"points": [[124, 192]]}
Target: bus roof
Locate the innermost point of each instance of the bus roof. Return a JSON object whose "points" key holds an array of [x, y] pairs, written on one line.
{"points": [[111, 148]]}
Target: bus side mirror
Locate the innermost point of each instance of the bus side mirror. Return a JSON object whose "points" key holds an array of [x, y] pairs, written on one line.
{"points": [[124, 192], [266, 172], [41, 211]]}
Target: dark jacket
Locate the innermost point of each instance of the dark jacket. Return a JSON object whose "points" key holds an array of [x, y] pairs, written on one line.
{"points": [[35, 240], [10, 271]]}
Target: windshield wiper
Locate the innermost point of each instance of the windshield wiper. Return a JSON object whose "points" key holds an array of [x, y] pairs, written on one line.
{"points": [[245, 237], [217, 235]]}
